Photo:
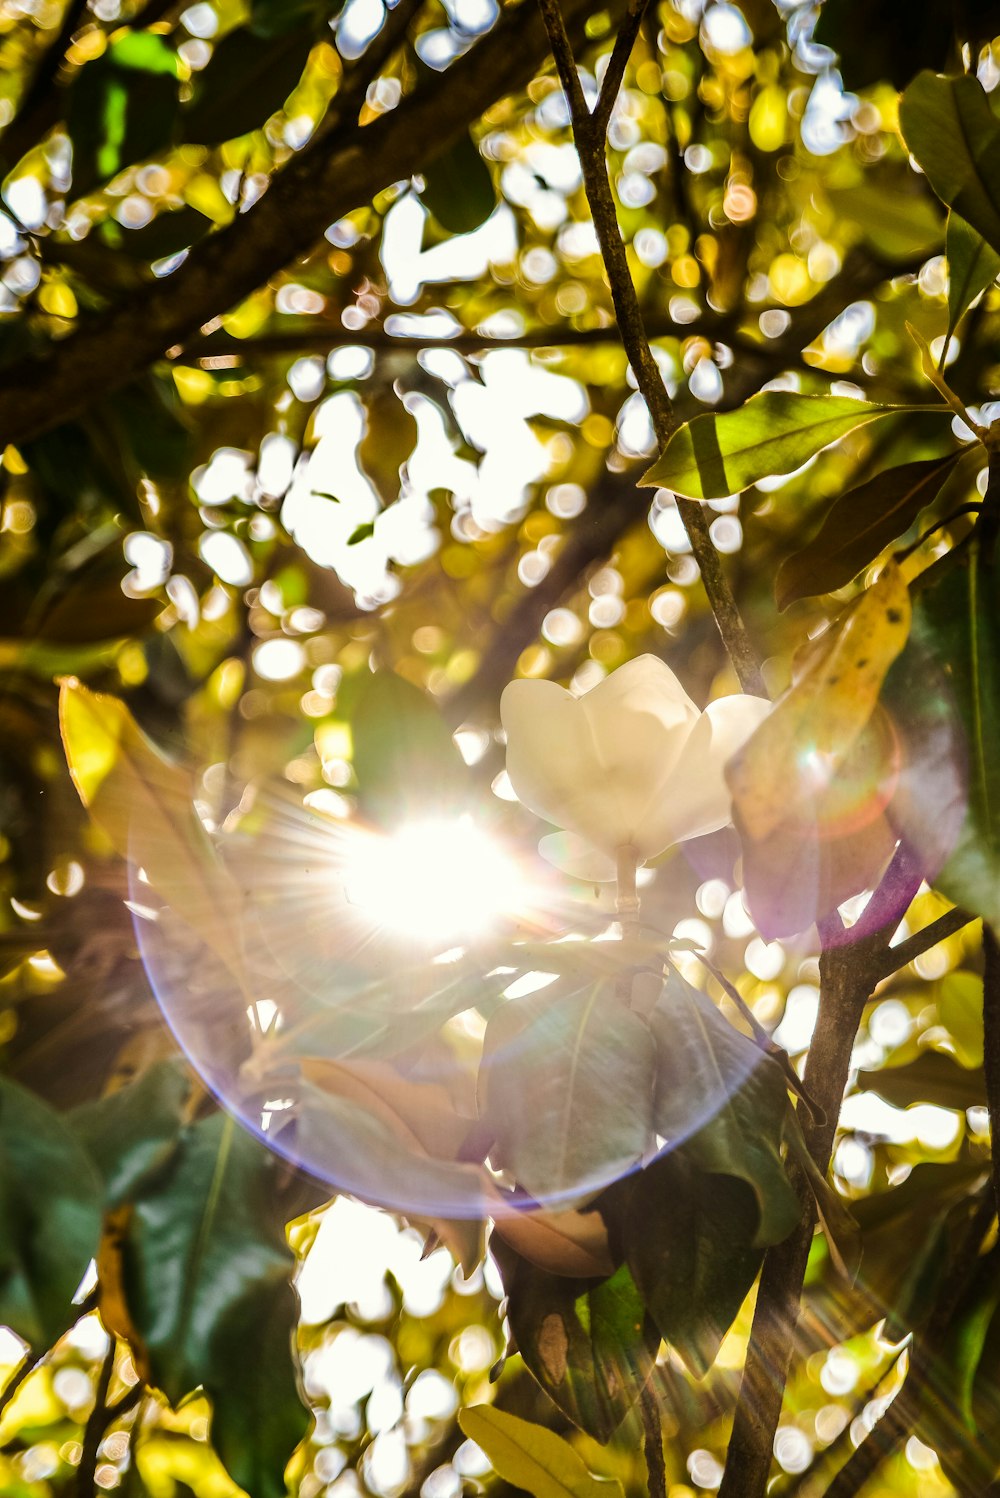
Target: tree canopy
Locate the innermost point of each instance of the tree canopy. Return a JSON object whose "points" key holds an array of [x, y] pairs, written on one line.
{"points": [[499, 804]]}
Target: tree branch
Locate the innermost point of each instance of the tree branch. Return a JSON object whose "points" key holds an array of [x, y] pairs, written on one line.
{"points": [[590, 145], [618, 62], [97, 1424], [915, 946], [321, 339], [846, 979], [336, 172], [652, 1442]]}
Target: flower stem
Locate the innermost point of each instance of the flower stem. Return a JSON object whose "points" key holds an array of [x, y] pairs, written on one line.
{"points": [[627, 900]]}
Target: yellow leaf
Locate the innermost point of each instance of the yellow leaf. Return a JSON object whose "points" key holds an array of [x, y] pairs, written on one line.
{"points": [[144, 806], [111, 1301], [531, 1457], [797, 751]]}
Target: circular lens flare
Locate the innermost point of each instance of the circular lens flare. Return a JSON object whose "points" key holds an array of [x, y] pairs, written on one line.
{"points": [[344, 1012]]}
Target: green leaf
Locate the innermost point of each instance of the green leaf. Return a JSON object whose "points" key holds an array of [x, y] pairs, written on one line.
{"points": [[144, 806], [960, 1010], [531, 1457], [873, 45], [933, 1078], [204, 1245], [949, 127], [894, 1221], [588, 1343], [972, 266], [50, 1217], [122, 108], [858, 526], [131, 1134], [690, 1247], [458, 188], [721, 1096], [248, 78], [568, 1090], [962, 1380], [775, 432], [897, 217], [165, 235], [405, 758], [276, 17], [959, 620], [258, 1416], [361, 532]]}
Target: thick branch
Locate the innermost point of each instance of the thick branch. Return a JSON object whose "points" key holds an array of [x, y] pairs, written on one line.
{"points": [[591, 148], [846, 979], [343, 168]]}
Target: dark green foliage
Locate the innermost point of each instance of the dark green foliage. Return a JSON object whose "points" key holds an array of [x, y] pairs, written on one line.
{"points": [[50, 1217], [247, 78], [587, 1342], [122, 108], [458, 188]]}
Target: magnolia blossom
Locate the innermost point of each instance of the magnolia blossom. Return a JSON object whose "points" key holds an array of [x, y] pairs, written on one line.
{"points": [[631, 763]]}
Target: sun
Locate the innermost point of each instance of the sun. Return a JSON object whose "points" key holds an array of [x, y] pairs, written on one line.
{"points": [[438, 880]]}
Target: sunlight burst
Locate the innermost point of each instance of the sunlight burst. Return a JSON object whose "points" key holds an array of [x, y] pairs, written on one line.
{"points": [[438, 879]]}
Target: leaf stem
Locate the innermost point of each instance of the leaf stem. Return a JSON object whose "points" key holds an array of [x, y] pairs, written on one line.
{"points": [[589, 135], [627, 909]]}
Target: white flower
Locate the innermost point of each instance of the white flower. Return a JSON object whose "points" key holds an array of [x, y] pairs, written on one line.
{"points": [[630, 763]]}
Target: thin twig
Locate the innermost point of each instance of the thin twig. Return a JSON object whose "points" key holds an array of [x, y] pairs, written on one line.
{"points": [[915, 946], [590, 147], [652, 1442], [618, 62], [97, 1424]]}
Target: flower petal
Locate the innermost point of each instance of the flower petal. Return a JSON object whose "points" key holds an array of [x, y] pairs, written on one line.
{"points": [[578, 858], [550, 756], [696, 799], [640, 718]]}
